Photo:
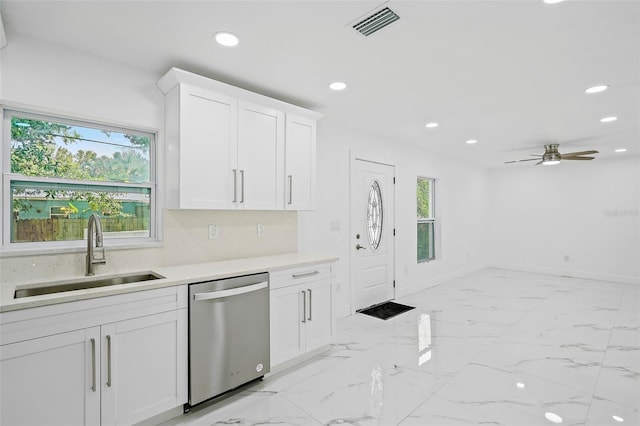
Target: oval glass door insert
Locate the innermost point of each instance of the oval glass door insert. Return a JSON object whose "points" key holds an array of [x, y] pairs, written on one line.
{"points": [[374, 215]]}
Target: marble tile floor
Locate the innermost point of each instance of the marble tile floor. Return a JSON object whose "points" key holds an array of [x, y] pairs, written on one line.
{"points": [[493, 348]]}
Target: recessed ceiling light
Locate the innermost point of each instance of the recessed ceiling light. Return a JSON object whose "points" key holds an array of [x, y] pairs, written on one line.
{"points": [[552, 1], [431, 125], [338, 85], [472, 141], [520, 385], [608, 119], [226, 39], [553, 417], [617, 419], [621, 150], [597, 89]]}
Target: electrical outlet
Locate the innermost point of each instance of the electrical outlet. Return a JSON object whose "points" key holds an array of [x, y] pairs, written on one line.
{"points": [[213, 232], [260, 230]]}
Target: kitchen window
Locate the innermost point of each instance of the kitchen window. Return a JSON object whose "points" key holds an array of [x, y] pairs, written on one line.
{"points": [[58, 171], [425, 219]]}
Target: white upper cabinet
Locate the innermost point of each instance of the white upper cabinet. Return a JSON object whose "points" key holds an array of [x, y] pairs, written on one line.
{"points": [[202, 149], [260, 157], [228, 148], [300, 163]]}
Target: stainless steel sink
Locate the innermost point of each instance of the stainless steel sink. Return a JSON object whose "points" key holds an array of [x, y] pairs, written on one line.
{"points": [[80, 284]]}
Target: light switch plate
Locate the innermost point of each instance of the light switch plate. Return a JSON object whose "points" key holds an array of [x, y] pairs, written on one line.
{"points": [[213, 232], [260, 230]]}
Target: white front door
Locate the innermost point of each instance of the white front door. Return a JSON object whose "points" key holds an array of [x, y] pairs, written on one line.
{"points": [[372, 229]]}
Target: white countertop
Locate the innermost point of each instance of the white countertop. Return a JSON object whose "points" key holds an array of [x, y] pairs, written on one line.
{"points": [[173, 276]]}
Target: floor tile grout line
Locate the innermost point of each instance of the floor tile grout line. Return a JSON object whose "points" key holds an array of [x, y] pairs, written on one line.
{"points": [[604, 356]]}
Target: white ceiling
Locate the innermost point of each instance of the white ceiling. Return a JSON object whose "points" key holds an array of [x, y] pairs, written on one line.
{"points": [[509, 73]]}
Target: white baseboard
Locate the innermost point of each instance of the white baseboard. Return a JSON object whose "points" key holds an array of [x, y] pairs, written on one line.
{"points": [[622, 279]]}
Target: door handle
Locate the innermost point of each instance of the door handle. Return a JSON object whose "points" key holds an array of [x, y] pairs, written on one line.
{"points": [[304, 306], [231, 292], [290, 189], [359, 247], [93, 364], [235, 185], [108, 360], [242, 186], [309, 318]]}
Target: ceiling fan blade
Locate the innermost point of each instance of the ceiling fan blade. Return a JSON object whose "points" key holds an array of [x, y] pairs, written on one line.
{"points": [[577, 158], [519, 161], [569, 154], [536, 155], [538, 163]]}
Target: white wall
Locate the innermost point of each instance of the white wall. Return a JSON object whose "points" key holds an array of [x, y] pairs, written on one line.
{"points": [[461, 210], [579, 219], [60, 80]]}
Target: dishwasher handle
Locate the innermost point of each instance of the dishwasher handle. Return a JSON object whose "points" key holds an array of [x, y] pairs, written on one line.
{"points": [[219, 294]]}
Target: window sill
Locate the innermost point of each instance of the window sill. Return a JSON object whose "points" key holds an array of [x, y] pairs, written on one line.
{"points": [[37, 249]]}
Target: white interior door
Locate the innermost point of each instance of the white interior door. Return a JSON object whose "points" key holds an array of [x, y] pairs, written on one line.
{"points": [[372, 229]]}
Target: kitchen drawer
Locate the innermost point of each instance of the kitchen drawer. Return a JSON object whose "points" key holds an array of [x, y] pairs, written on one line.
{"points": [[32, 323], [298, 275]]}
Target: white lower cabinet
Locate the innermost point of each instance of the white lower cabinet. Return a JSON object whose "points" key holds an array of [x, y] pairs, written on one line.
{"points": [[48, 381], [139, 367], [301, 319], [116, 373]]}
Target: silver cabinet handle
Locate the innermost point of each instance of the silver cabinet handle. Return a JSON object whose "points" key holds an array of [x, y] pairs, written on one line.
{"points": [[108, 361], [304, 306], [231, 292], [305, 274], [310, 304], [290, 189], [235, 185], [242, 186], [93, 364]]}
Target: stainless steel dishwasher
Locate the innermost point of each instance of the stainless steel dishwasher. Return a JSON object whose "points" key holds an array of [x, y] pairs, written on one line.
{"points": [[228, 335]]}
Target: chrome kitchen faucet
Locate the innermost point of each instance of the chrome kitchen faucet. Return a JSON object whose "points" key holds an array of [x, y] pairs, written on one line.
{"points": [[94, 226]]}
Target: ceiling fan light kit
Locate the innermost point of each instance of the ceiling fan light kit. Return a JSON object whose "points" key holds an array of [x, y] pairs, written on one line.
{"points": [[551, 156]]}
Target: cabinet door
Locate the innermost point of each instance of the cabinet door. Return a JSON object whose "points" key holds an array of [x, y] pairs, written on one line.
{"points": [[318, 323], [300, 163], [260, 157], [142, 367], [286, 322], [51, 380], [208, 150]]}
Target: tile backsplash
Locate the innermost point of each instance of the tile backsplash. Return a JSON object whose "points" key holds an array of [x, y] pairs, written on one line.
{"points": [[185, 240]]}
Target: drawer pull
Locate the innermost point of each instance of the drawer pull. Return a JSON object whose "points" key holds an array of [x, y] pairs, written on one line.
{"points": [[305, 274]]}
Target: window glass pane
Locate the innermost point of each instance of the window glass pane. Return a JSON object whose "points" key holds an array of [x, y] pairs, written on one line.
{"points": [[374, 215], [424, 198], [53, 149], [425, 241], [43, 211]]}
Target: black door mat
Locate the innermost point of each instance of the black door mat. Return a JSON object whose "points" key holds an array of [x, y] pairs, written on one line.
{"points": [[385, 310]]}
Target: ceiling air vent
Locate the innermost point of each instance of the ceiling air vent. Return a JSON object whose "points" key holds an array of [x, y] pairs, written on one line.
{"points": [[375, 22]]}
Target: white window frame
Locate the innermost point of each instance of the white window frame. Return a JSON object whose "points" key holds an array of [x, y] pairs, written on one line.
{"points": [[7, 248], [431, 219]]}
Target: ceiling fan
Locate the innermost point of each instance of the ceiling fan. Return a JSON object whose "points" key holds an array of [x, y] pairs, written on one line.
{"points": [[551, 156]]}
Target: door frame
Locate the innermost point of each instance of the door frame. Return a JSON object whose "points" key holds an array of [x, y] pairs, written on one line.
{"points": [[353, 157]]}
